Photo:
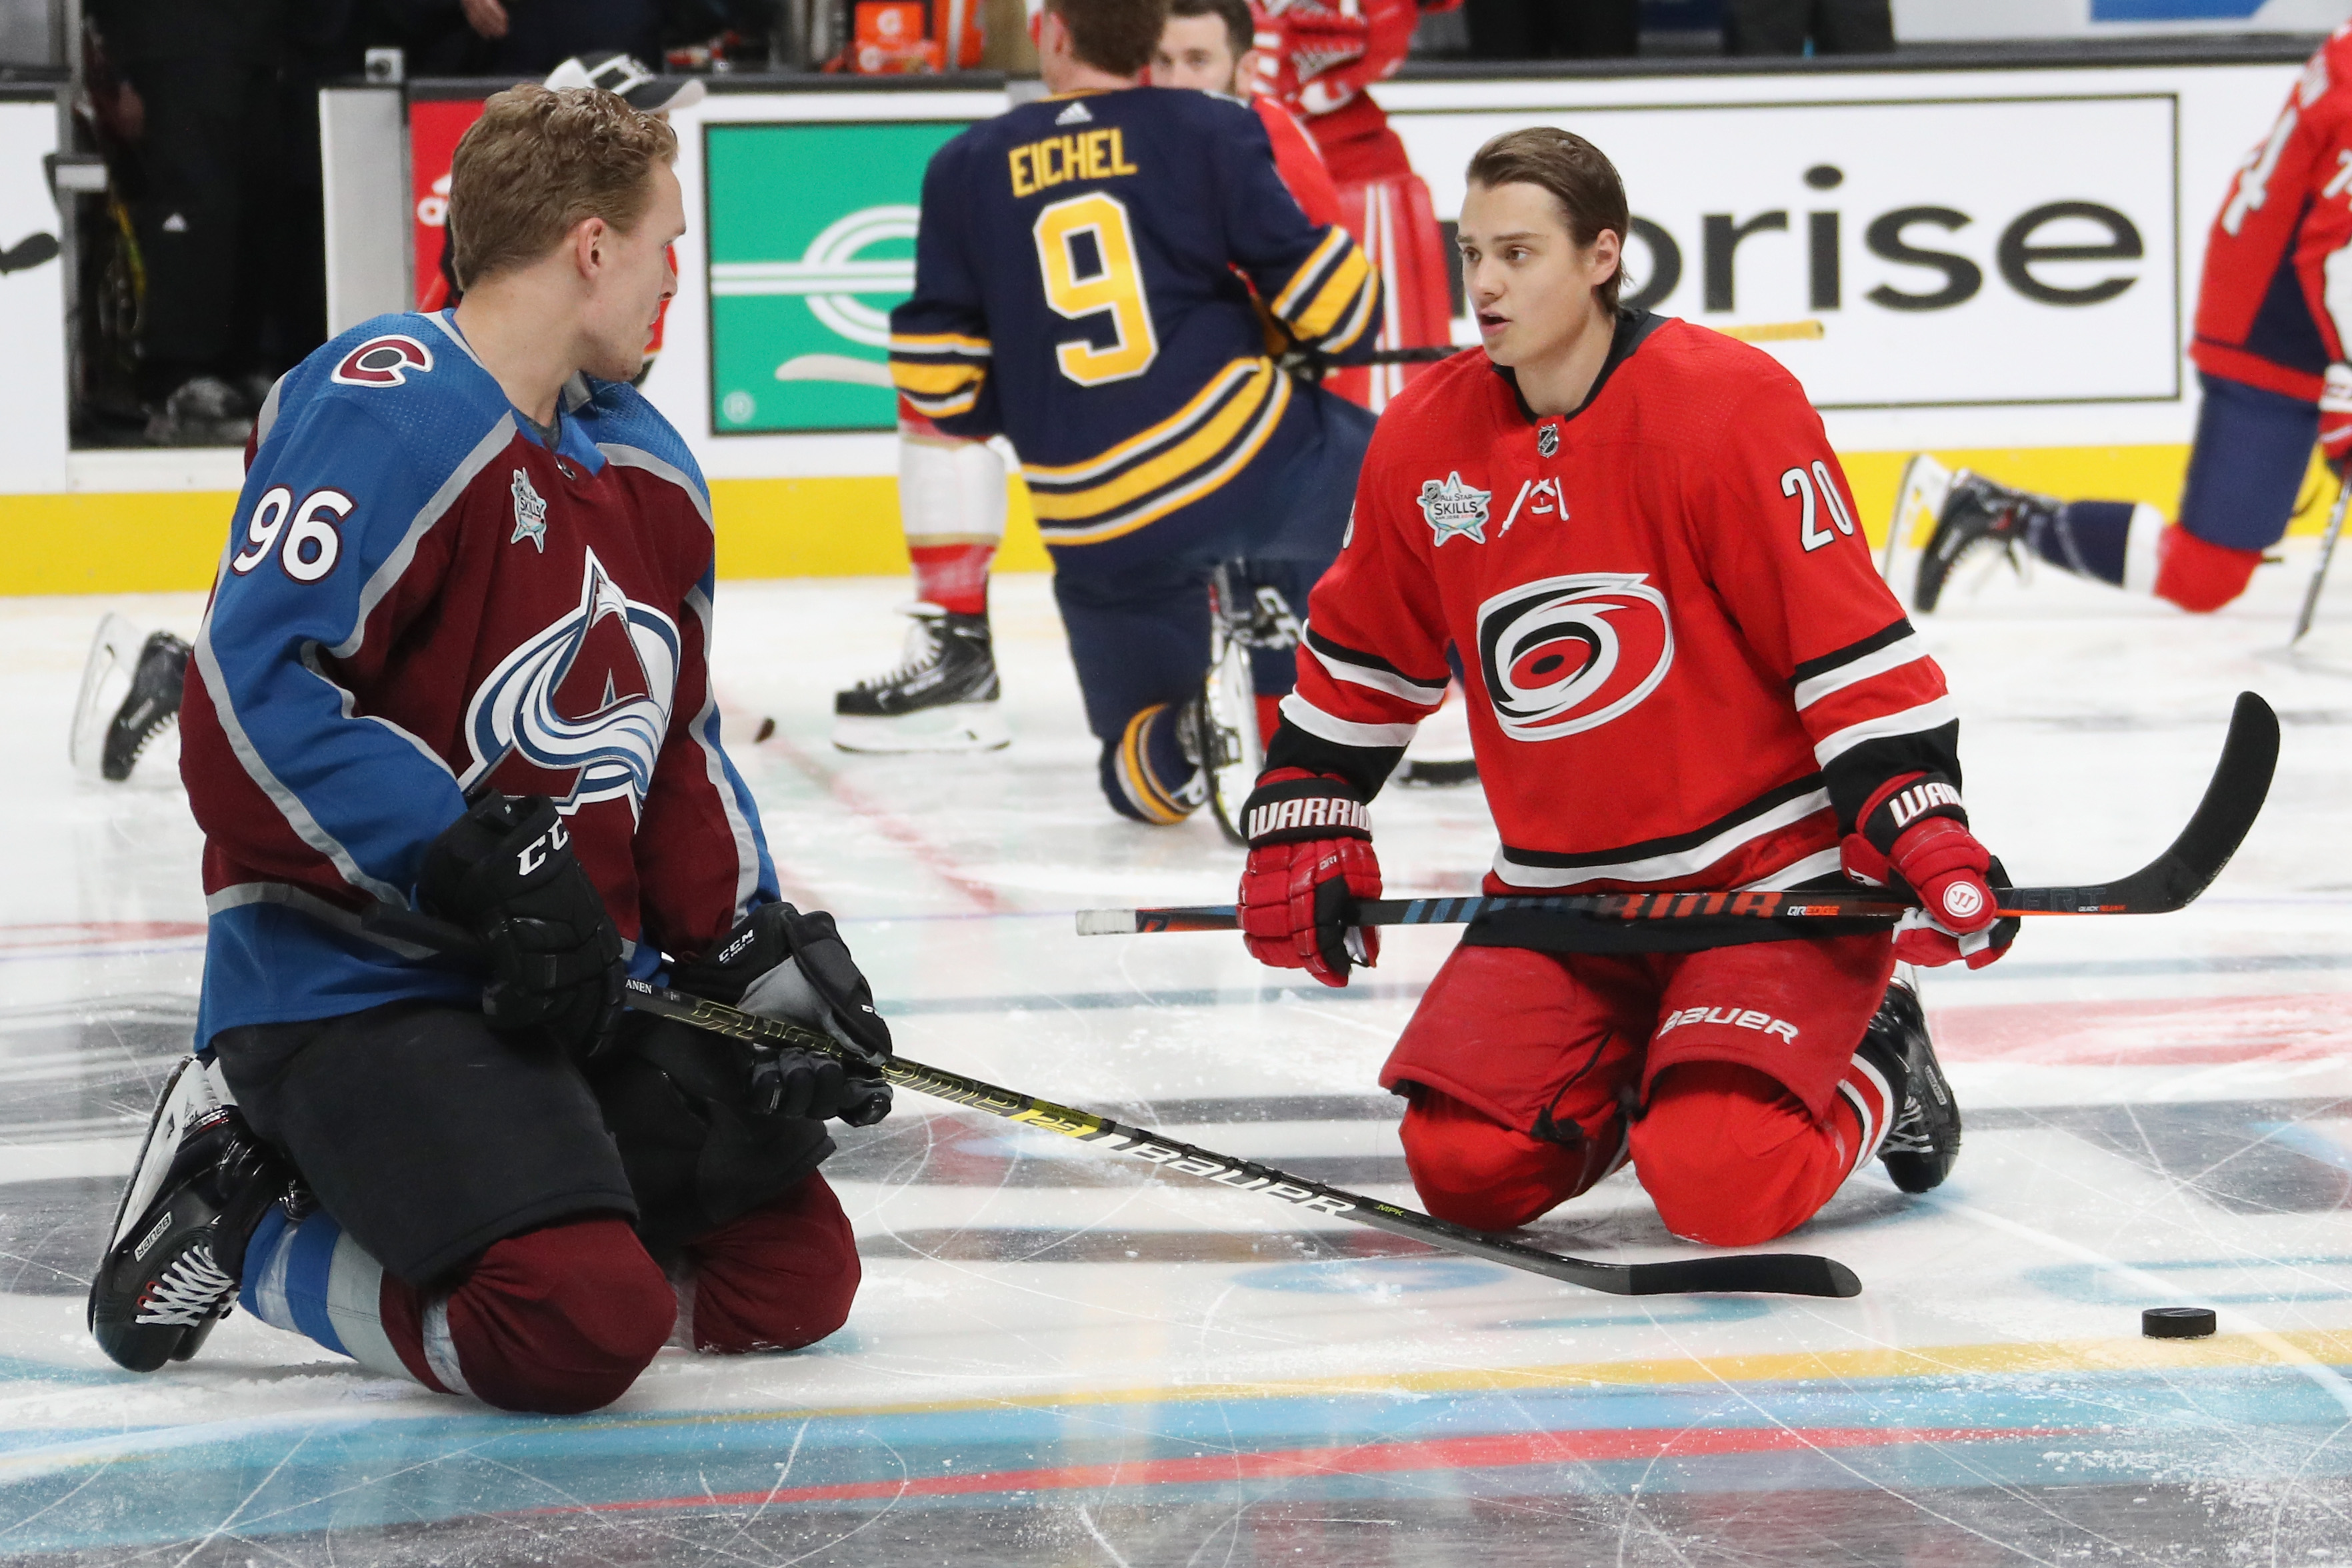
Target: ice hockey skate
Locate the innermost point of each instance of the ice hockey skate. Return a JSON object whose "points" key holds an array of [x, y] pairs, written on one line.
{"points": [[201, 1183], [1923, 1144], [1981, 521], [142, 675], [941, 697]]}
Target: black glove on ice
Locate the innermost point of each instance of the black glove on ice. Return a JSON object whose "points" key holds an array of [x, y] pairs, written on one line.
{"points": [[506, 872]]}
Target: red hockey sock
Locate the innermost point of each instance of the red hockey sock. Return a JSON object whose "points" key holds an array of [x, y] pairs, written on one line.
{"points": [[775, 1280], [1476, 1172], [1731, 1158], [2199, 576], [555, 1321], [953, 576]]}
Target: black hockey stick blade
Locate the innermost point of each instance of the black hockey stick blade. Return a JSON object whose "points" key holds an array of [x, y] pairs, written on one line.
{"points": [[2233, 798], [1779, 1274]]}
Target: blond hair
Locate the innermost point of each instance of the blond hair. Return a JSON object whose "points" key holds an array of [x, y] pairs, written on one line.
{"points": [[537, 162]]}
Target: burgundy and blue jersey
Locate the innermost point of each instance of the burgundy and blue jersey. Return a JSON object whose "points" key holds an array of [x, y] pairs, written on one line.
{"points": [[421, 598]]}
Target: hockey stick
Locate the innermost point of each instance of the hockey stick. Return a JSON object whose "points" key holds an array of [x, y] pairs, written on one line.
{"points": [[2319, 571], [2233, 798], [1774, 1273]]}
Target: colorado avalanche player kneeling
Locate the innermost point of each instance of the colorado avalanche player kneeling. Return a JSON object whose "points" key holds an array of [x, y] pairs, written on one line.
{"points": [[457, 655], [1683, 673]]}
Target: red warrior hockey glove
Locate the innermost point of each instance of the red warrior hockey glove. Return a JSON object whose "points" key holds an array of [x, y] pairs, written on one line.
{"points": [[2335, 417], [1914, 834], [1310, 860]]}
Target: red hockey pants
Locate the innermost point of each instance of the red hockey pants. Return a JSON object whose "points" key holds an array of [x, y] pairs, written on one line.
{"points": [[562, 1318], [1531, 1075]]}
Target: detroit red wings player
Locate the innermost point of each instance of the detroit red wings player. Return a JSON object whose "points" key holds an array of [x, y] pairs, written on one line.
{"points": [[1318, 58], [1683, 673]]}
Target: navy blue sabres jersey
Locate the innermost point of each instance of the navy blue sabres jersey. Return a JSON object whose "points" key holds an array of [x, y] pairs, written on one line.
{"points": [[1079, 287]]}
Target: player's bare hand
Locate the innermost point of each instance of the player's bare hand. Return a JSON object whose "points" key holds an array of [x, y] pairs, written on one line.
{"points": [[487, 18], [1310, 860]]}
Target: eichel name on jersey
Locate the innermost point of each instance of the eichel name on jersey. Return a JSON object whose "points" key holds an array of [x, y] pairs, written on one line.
{"points": [[1682, 666], [1075, 290], [419, 599]]}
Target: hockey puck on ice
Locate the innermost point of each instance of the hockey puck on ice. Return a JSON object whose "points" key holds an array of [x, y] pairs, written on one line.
{"points": [[2176, 1322], [767, 728]]}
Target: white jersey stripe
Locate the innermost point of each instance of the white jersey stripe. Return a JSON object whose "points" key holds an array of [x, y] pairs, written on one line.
{"points": [[1903, 651], [1342, 732], [1909, 721], [1388, 681]]}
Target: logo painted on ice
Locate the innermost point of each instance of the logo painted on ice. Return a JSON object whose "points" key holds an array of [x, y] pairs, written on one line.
{"points": [[1564, 655], [578, 713], [530, 514], [1452, 507], [382, 362]]}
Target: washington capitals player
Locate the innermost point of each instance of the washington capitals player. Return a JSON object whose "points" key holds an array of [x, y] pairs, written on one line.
{"points": [[1683, 673], [1079, 287], [456, 655], [2273, 321]]}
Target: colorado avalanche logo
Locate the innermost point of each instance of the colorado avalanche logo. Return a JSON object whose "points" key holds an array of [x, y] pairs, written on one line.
{"points": [[578, 713], [383, 362], [1569, 654]]}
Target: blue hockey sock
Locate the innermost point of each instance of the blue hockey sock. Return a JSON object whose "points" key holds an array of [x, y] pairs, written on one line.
{"points": [[2087, 537], [310, 1279]]}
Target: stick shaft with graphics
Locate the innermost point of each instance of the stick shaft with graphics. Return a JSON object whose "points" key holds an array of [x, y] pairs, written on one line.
{"points": [[1787, 1273], [2233, 798]]}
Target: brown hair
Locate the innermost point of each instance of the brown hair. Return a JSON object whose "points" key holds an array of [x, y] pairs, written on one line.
{"points": [[1241, 28], [1114, 36], [1580, 178], [537, 162]]}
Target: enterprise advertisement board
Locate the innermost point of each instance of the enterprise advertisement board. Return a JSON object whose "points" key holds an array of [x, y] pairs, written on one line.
{"points": [[1996, 250]]}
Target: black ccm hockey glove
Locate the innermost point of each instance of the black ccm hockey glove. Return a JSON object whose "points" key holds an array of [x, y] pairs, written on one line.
{"points": [[781, 963], [506, 872]]}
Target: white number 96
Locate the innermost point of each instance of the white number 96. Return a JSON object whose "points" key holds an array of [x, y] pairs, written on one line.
{"points": [[311, 544]]}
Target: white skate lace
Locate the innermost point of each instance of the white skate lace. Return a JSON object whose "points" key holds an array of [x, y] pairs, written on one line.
{"points": [[189, 1292], [922, 650]]}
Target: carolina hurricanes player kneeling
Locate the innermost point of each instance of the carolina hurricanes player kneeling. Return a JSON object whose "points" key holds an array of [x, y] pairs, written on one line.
{"points": [[1683, 673]]}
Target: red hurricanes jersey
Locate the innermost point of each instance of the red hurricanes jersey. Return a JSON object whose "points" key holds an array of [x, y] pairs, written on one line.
{"points": [[1682, 669], [2276, 301]]}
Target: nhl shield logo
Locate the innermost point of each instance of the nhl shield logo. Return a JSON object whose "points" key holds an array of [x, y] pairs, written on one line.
{"points": [[1548, 441], [1452, 507]]}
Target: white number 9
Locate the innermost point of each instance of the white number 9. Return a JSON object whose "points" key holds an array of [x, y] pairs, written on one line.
{"points": [[312, 545], [262, 529]]}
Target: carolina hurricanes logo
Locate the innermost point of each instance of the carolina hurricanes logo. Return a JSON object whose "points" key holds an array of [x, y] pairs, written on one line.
{"points": [[578, 711], [383, 362], [1569, 654]]}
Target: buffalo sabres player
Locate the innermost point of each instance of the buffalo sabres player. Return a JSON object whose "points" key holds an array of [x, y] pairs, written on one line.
{"points": [[1084, 285], [1683, 673], [2274, 335], [458, 658]]}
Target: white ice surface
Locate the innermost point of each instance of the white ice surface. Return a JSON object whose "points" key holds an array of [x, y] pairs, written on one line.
{"points": [[2162, 1104]]}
